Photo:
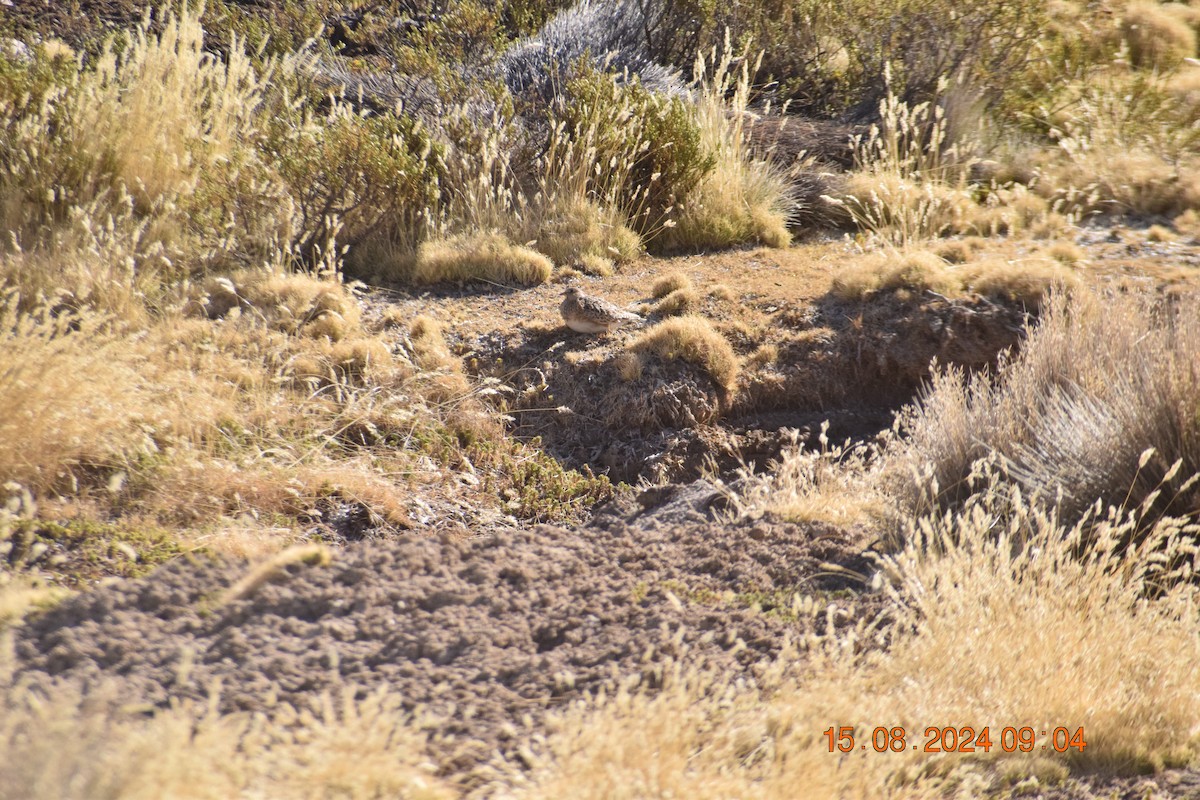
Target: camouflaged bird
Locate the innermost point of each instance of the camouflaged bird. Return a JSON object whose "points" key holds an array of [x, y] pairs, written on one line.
{"points": [[591, 314]]}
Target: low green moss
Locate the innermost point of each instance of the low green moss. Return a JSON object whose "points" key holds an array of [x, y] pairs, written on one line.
{"points": [[78, 553]]}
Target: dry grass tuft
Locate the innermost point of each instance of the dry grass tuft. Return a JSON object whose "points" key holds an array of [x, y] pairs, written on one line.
{"points": [[70, 746], [445, 380], [1157, 39], [577, 230], [672, 281], [74, 395], [24, 594], [1098, 385], [289, 302], [592, 264], [1081, 644], [1188, 224], [429, 345], [629, 366], [720, 291], [487, 257], [905, 211], [680, 301], [745, 198], [763, 356], [958, 251], [1027, 281], [915, 271], [153, 139], [1159, 234], [831, 485], [694, 340], [1066, 253]]}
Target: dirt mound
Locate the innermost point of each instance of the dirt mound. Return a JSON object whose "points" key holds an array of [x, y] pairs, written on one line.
{"points": [[850, 362], [483, 632], [875, 353]]}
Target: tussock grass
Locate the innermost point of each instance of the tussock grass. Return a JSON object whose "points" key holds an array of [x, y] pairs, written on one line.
{"points": [[1188, 224], [833, 484], [288, 302], [1027, 281], [74, 396], [1156, 38], [694, 340], [745, 198], [445, 380], [671, 282], [905, 211], [583, 232], [155, 134], [1126, 146], [1067, 253], [680, 301], [1098, 385], [721, 292], [1159, 234], [959, 251], [77, 747], [487, 257], [912, 271]]}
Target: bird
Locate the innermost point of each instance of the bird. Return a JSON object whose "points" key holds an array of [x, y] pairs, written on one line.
{"points": [[591, 314]]}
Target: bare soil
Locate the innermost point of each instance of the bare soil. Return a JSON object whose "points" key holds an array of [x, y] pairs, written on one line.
{"points": [[484, 632]]}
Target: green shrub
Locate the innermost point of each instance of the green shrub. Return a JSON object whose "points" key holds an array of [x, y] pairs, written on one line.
{"points": [[645, 148], [376, 175]]}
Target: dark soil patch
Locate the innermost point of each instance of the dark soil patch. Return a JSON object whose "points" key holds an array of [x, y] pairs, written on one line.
{"points": [[851, 363], [484, 632]]}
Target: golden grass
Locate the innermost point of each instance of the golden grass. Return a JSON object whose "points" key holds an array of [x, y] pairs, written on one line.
{"points": [[914, 271], [288, 302], [958, 251], [24, 594], [75, 395], [1066, 253], [1159, 234], [763, 356], [745, 198], [1188, 224], [721, 292], [73, 746], [575, 230], [1157, 39], [486, 256], [672, 281], [694, 340], [680, 301], [155, 136], [905, 211], [591, 264], [1113, 178], [1026, 281], [831, 485]]}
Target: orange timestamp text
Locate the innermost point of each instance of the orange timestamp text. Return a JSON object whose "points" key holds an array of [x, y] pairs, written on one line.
{"points": [[950, 739]]}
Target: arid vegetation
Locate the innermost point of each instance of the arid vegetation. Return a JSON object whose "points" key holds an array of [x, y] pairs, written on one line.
{"points": [[910, 436]]}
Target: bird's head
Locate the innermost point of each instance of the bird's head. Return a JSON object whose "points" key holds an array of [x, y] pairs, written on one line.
{"points": [[571, 291]]}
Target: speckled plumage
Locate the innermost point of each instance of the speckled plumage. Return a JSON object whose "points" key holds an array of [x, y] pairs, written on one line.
{"points": [[588, 314]]}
